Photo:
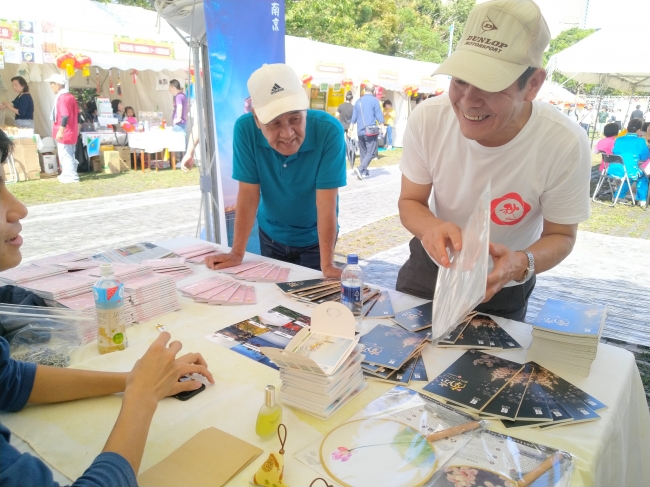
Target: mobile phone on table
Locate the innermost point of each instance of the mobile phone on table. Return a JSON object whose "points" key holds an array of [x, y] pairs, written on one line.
{"points": [[185, 395]]}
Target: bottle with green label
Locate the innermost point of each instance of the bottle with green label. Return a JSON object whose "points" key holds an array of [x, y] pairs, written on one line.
{"points": [[109, 302]]}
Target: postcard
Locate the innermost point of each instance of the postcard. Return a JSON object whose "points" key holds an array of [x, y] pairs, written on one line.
{"points": [[415, 319], [389, 346]]}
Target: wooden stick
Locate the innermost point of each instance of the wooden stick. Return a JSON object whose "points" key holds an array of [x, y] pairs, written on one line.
{"points": [[456, 430], [540, 470], [173, 161], [142, 160]]}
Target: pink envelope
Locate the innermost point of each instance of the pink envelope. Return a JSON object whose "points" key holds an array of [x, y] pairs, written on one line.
{"points": [[238, 296], [250, 297], [283, 275], [224, 295], [208, 295], [272, 276], [257, 273], [204, 285], [241, 267]]}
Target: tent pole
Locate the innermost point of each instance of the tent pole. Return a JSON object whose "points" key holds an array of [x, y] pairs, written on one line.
{"points": [[206, 167], [603, 82], [629, 104]]}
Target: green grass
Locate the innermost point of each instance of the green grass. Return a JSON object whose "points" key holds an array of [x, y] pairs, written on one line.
{"points": [[387, 158], [93, 185]]}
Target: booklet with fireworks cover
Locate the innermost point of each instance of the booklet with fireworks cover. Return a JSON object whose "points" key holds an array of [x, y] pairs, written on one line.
{"points": [[416, 318], [481, 332], [390, 347], [474, 379], [321, 348]]}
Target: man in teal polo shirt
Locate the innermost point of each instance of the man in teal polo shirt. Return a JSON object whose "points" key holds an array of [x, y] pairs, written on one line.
{"points": [[290, 162]]}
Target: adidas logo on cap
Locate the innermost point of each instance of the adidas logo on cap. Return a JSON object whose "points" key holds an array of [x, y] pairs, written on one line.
{"points": [[276, 89]]}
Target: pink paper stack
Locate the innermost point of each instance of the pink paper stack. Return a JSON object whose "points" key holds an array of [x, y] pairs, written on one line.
{"points": [[149, 296], [220, 290], [20, 275], [174, 267], [196, 254], [258, 272]]}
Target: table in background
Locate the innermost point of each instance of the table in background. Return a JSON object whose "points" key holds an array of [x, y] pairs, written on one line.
{"points": [[157, 140], [609, 452]]}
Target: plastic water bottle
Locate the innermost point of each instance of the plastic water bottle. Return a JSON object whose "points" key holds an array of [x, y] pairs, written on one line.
{"points": [[352, 285], [109, 302]]}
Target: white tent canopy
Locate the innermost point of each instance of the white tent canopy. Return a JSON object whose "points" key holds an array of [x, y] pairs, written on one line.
{"points": [[601, 58], [88, 27]]}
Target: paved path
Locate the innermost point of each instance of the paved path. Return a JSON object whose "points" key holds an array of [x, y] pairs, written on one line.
{"points": [[97, 224]]}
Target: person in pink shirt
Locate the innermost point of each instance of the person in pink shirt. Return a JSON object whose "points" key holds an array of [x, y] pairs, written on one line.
{"points": [[65, 128], [607, 143]]}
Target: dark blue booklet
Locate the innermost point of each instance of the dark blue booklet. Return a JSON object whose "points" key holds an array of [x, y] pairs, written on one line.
{"points": [[571, 319], [415, 319], [389, 346]]}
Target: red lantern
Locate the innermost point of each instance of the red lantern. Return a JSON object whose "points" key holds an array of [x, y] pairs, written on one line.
{"points": [[66, 60], [347, 84], [307, 79], [83, 62]]}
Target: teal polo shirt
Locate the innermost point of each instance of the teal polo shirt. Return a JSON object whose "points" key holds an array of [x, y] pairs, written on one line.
{"points": [[288, 184]]}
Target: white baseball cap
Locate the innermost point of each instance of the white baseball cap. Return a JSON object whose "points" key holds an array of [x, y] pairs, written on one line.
{"points": [[502, 39], [56, 78], [275, 89]]}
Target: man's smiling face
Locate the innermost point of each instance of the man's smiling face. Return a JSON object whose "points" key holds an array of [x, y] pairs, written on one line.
{"points": [[491, 119], [286, 132]]}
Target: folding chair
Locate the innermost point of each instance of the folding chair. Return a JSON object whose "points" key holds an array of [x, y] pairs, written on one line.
{"points": [[610, 160], [603, 177]]}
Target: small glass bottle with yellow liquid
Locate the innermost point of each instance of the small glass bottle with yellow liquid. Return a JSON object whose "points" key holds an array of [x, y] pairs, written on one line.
{"points": [[270, 415]]}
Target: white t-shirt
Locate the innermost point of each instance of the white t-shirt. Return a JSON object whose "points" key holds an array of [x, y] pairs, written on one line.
{"points": [[543, 173]]}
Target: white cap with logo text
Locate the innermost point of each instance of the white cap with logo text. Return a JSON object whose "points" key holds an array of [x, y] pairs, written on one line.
{"points": [[275, 89], [502, 39]]}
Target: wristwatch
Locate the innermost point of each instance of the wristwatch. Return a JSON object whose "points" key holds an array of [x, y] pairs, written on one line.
{"points": [[530, 270]]}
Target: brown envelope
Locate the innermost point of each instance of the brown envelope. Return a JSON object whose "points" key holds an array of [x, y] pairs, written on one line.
{"points": [[208, 459]]}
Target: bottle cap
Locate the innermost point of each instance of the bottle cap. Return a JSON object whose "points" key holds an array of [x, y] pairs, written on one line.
{"points": [[269, 396], [106, 270], [353, 259]]}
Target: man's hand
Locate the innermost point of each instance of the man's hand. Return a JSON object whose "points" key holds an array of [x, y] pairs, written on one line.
{"points": [[441, 237], [331, 271], [156, 374], [223, 261], [59, 134], [508, 266], [188, 158]]}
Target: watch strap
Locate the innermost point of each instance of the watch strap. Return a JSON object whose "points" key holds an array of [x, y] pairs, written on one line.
{"points": [[530, 269]]}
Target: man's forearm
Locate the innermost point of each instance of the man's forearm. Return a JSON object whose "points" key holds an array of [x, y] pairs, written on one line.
{"points": [[549, 251], [326, 238], [244, 219], [416, 217], [54, 384]]}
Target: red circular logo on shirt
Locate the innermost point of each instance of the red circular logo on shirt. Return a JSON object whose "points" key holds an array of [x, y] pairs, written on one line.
{"points": [[510, 209]]}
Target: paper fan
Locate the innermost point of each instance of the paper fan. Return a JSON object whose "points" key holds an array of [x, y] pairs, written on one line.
{"points": [[372, 452]]}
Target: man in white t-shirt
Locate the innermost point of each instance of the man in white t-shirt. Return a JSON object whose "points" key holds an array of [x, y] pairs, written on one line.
{"points": [[490, 131]]}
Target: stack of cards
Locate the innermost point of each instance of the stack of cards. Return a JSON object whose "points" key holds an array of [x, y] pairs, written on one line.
{"points": [[274, 328], [123, 272], [149, 296], [258, 272], [173, 266], [197, 253], [393, 355], [566, 335], [59, 258], [521, 395], [62, 285], [84, 303], [25, 273], [318, 291], [480, 333], [220, 290]]}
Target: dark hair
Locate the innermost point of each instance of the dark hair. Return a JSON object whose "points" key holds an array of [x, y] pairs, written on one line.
{"points": [[21, 82], [91, 107], [175, 84], [634, 125], [127, 109], [388, 102], [645, 127], [115, 104], [6, 147], [610, 130], [349, 96], [523, 79]]}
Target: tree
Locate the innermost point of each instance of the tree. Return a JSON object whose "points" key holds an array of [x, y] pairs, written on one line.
{"points": [[131, 3], [564, 40]]}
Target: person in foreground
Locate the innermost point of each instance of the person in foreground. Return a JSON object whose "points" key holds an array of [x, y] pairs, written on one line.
{"points": [[491, 133], [290, 162], [153, 377]]}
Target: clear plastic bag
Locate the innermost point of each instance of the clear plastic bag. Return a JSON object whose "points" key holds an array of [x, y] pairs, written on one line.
{"points": [[44, 336], [490, 458], [461, 287]]}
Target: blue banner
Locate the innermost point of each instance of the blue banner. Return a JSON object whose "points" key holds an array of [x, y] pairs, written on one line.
{"points": [[242, 36]]}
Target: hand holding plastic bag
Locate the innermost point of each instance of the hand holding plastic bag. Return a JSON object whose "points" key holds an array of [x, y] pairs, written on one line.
{"points": [[461, 287]]}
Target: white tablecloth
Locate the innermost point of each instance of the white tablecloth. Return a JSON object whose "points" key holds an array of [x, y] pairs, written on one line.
{"points": [[106, 138], [610, 452], [158, 140]]}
